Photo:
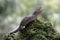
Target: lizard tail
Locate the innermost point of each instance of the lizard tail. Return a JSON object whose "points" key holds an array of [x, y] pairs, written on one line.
{"points": [[14, 31]]}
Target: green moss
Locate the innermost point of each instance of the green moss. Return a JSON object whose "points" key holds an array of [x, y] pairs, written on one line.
{"points": [[36, 30]]}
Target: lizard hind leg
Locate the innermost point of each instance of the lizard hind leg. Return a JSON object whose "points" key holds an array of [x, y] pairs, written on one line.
{"points": [[22, 29]]}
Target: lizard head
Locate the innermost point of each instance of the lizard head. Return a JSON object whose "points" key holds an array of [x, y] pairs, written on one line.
{"points": [[38, 11]]}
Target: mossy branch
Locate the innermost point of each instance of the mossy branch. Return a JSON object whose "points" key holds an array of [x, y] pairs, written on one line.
{"points": [[36, 30]]}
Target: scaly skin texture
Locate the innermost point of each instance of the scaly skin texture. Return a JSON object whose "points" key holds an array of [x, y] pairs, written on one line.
{"points": [[28, 19]]}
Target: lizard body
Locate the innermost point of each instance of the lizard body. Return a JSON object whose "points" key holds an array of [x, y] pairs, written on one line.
{"points": [[28, 19]]}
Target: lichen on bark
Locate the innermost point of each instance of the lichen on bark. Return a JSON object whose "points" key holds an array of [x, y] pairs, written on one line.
{"points": [[35, 30]]}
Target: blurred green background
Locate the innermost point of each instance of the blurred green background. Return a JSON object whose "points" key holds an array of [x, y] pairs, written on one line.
{"points": [[13, 11]]}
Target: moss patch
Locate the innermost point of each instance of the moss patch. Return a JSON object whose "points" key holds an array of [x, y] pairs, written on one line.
{"points": [[36, 30]]}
